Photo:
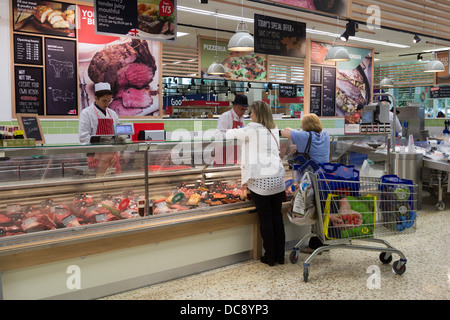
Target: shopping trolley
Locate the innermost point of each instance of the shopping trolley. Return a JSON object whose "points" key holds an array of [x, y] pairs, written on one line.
{"points": [[361, 209]]}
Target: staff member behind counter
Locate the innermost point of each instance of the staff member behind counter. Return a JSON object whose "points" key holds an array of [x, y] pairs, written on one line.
{"points": [[98, 119], [233, 118]]}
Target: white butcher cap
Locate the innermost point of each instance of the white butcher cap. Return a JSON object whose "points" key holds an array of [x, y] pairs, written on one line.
{"points": [[101, 86]]}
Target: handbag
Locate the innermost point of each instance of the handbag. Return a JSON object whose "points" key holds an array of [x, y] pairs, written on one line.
{"points": [[305, 154]]}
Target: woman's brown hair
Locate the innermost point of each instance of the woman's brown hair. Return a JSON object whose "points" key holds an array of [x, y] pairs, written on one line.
{"points": [[263, 114], [311, 122]]}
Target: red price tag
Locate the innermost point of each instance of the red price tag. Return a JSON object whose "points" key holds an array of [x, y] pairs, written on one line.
{"points": [[165, 8]]}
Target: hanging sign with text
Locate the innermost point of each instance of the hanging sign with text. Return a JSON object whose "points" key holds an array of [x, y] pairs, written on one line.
{"points": [[279, 36], [142, 19]]}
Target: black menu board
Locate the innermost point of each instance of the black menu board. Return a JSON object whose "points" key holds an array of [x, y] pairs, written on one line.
{"points": [[315, 100], [29, 90], [31, 126], [316, 75], [115, 17], [27, 49], [329, 92], [279, 36], [61, 77], [288, 91], [440, 92]]}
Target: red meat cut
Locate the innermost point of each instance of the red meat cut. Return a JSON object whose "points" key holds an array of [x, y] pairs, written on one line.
{"points": [[39, 222], [136, 74], [134, 98]]}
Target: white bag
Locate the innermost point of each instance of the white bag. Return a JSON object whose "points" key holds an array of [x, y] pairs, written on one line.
{"points": [[302, 211]]}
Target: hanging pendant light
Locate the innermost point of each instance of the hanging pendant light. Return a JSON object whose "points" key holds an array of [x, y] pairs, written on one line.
{"points": [[387, 82], [216, 68], [242, 40], [337, 53], [434, 65]]}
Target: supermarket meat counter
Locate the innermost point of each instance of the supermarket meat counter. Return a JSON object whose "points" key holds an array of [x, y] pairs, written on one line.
{"points": [[59, 194]]}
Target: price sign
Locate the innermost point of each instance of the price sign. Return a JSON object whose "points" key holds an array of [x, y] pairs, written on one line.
{"points": [[165, 8]]}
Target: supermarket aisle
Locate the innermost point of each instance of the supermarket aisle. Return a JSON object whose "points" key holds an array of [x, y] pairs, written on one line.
{"points": [[338, 274]]}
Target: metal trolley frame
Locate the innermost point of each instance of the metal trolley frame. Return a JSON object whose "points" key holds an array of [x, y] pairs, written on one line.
{"points": [[393, 207]]}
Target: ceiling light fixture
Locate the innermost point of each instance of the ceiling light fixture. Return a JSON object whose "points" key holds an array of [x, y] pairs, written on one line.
{"points": [[350, 30], [216, 68], [312, 31], [434, 65], [203, 1], [416, 39], [337, 53], [242, 40], [419, 57]]}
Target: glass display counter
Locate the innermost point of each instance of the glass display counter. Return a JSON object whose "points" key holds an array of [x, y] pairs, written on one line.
{"points": [[64, 192]]}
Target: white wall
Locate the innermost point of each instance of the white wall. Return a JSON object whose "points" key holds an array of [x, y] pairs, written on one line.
{"points": [[5, 63]]}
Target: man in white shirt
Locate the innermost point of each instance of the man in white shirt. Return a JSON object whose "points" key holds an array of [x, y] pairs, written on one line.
{"points": [[233, 118]]}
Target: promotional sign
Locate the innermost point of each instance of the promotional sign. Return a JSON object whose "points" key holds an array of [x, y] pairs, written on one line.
{"points": [[61, 77], [45, 17], [243, 66], [329, 92], [334, 7], [287, 90], [28, 84], [145, 19], [127, 64], [279, 36]]}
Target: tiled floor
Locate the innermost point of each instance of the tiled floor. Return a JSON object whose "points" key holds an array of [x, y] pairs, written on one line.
{"points": [[337, 274]]}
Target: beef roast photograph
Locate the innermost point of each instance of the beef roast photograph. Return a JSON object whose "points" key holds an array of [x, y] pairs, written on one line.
{"points": [[129, 66]]}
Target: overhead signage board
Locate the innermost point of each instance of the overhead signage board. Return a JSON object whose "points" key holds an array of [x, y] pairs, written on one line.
{"points": [[150, 20], [279, 36]]}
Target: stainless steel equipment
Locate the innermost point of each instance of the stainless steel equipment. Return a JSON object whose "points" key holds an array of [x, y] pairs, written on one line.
{"points": [[412, 118]]}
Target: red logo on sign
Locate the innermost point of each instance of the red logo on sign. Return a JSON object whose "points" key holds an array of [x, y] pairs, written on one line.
{"points": [[165, 8]]}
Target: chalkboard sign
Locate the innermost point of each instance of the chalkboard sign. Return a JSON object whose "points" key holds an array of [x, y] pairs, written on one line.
{"points": [[61, 77], [279, 36], [288, 91], [27, 49], [440, 92], [329, 92], [31, 127], [315, 100], [29, 95]]}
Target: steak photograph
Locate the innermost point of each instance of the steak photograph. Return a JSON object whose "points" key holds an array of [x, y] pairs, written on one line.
{"points": [[130, 68]]}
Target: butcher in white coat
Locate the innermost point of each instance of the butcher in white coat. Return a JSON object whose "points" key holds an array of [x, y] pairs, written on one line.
{"points": [[98, 119]]}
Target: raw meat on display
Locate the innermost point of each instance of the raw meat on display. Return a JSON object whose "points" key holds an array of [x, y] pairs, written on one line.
{"points": [[40, 222]]}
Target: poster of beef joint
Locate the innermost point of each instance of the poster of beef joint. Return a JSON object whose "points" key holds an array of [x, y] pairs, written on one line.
{"points": [[145, 19], [127, 64], [279, 36], [29, 95], [61, 77], [45, 17]]}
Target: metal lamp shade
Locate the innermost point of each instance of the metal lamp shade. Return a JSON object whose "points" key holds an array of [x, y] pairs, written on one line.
{"points": [[337, 53], [242, 40], [216, 68], [434, 66], [387, 82]]}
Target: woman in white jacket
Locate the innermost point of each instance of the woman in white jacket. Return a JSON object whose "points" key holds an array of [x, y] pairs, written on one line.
{"points": [[263, 172]]}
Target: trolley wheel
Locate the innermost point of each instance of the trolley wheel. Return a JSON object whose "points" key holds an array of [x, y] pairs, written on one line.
{"points": [[305, 273], [399, 269], [385, 257], [440, 205], [293, 257]]}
